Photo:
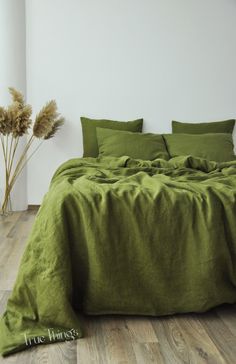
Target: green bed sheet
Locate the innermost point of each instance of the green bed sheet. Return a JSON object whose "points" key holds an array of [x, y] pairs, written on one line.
{"points": [[123, 236]]}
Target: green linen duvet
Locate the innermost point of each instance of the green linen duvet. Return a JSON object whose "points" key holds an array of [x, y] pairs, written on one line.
{"points": [[116, 235]]}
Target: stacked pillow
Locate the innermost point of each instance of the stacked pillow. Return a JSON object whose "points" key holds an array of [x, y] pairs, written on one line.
{"points": [[118, 138], [116, 143], [225, 126], [89, 131], [216, 147], [212, 141]]}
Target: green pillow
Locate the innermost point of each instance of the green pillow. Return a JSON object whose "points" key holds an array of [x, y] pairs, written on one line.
{"points": [[225, 126], [135, 145], [89, 131], [216, 147]]}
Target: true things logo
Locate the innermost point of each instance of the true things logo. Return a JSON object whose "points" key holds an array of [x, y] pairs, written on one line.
{"points": [[52, 336]]}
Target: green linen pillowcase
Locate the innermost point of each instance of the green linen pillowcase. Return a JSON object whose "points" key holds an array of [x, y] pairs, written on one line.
{"points": [[218, 147], [89, 131], [145, 146], [226, 126]]}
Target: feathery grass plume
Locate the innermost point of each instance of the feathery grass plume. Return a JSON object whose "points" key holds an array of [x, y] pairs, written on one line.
{"points": [[12, 113], [22, 122], [17, 96], [56, 126], [45, 119], [2, 121]]}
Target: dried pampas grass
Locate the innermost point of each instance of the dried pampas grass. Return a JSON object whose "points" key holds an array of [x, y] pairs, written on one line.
{"points": [[4, 126], [55, 127], [22, 122], [15, 122], [45, 119], [17, 96]]}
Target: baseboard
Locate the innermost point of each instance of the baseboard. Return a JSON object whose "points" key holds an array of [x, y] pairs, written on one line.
{"points": [[33, 207]]}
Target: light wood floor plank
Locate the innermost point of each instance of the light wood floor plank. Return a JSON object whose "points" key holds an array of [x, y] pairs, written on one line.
{"points": [[60, 353], [148, 353], [7, 223], [141, 330], [4, 295], [119, 347], [219, 333], [227, 314], [173, 345], [24, 357], [201, 348], [12, 248], [92, 348]]}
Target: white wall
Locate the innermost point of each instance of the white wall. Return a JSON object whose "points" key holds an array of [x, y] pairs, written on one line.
{"points": [[13, 73], [157, 59]]}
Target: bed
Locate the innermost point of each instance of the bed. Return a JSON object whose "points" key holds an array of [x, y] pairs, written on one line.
{"points": [[118, 235]]}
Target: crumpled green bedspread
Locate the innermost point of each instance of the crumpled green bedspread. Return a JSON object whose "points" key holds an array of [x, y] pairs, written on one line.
{"points": [[116, 235]]}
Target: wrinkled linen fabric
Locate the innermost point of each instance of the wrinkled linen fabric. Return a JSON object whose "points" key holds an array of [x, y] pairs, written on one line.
{"points": [[124, 236]]}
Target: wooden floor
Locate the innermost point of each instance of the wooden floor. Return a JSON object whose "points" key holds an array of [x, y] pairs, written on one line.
{"points": [[191, 338]]}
